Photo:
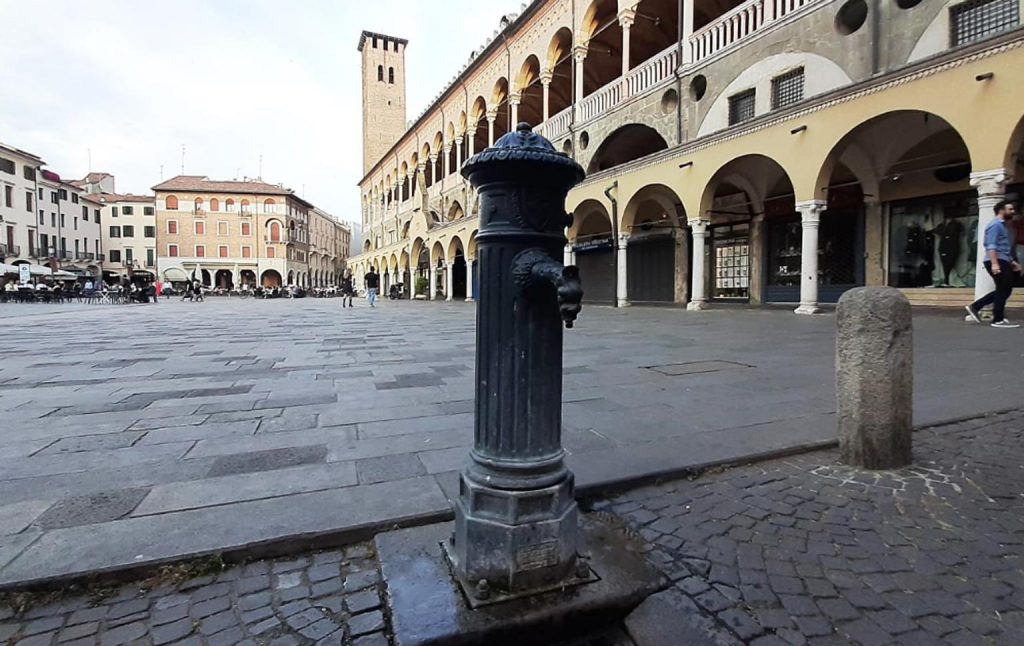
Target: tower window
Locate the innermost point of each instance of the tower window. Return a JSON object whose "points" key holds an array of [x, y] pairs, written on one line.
{"points": [[380, 72], [391, 75], [385, 44], [375, 42]]}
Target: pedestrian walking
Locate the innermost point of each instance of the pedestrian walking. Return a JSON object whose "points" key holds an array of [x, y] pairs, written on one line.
{"points": [[188, 291], [1001, 264], [347, 289], [372, 281]]}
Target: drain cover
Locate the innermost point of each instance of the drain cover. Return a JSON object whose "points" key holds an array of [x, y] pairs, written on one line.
{"points": [[696, 367]]}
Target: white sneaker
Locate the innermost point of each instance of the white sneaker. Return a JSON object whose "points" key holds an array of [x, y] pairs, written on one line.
{"points": [[973, 313], [1005, 324]]}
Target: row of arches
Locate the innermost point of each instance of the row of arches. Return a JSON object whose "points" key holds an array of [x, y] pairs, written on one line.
{"points": [[171, 203], [544, 83]]}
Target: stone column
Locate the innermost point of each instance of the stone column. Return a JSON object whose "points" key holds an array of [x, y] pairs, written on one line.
{"points": [[991, 187], [626, 19], [579, 53], [567, 255], [545, 83], [699, 229], [682, 266], [874, 378], [874, 247], [513, 103], [491, 117], [469, 279], [433, 283], [756, 262], [447, 155], [810, 216], [448, 280], [470, 142], [458, 153], [621, 266], [433, 169]]}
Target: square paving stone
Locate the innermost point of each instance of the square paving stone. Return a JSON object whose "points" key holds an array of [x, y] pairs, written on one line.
{"points": [[94, 442], [391, 467], [88, 510], [269, 460]]}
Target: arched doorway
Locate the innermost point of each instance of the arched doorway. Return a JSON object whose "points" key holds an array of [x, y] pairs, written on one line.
{"points": [[656, 256], [223, 279], [457, 265], [270, 279], [752, 210], [629, 142], [202, 275], [915, 167], [248, 278], [291, 278], [594, 248]]}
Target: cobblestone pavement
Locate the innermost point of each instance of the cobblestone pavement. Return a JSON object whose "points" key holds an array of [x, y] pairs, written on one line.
{"points": [[331, 597], [140, 434], [804, 550]]}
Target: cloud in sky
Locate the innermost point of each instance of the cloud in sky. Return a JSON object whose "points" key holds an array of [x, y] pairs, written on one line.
{"points": [[131, 81]]}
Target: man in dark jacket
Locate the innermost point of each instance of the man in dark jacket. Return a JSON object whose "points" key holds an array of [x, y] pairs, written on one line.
{"points": [[372, 280], [347, 289]]}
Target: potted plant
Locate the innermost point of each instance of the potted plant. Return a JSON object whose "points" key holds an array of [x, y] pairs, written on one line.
{"points": [[421, 288]]}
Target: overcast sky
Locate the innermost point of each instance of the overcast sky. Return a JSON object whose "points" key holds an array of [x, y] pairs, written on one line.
{"points": [[131, 81]]}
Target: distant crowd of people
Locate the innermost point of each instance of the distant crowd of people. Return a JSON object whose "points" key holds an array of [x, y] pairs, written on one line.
{"points": [[46, 290]]}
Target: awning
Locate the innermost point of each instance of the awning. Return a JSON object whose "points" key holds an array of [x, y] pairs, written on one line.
{"points": [[39, 270], [64, 275], [175, 275], [8, 269]]}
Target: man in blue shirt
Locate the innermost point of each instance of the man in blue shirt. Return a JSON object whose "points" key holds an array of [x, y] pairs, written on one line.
{"points": [[1001, 265]]}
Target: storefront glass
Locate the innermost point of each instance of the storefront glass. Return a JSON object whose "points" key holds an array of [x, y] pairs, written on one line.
{"points": [[784, 243], [730, 260], [933, 241]]}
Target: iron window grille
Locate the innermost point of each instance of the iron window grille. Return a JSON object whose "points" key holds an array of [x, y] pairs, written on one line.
{"points": [[977, 19], [788, 88], [741, 107]]}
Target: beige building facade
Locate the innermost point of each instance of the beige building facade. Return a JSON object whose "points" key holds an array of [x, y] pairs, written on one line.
{"points": [[231, 233], [129, 235], [328, 249], [767, 151]]}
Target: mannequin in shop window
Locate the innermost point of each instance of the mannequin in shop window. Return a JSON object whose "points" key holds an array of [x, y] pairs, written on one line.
{"points": [[948, 233], [921, 244]]}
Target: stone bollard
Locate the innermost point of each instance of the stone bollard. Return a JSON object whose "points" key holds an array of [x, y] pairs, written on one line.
{"points": [[875, 377]]}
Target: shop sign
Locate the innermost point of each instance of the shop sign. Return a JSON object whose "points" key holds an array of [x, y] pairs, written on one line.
{"points": [[24, 273], [593, 245]]}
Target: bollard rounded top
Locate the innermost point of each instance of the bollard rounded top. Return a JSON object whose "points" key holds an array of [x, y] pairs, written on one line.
{"points": [[526, 149]]}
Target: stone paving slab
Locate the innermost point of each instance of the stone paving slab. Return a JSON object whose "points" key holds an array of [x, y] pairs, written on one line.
{"points": [[151, 404]]}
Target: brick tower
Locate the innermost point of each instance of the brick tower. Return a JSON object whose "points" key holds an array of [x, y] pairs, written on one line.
{"points": [[383, 94]]}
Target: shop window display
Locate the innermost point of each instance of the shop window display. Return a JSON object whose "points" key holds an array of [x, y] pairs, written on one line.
{"points": [[933, 241], [784, 252], [731, 258]]}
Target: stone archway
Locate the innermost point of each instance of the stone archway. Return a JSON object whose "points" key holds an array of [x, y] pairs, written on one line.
{"points": [[593, 249], [657, 254]]}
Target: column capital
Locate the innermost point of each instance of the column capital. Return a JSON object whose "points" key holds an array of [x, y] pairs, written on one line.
{"points": [[471, 131], [433, 159], [627, 17], [622, 242], [546, 77], [514, 99], [698, 227], [492, 116], [990, 183], [579, 52], [421, 166], [810, 211]]}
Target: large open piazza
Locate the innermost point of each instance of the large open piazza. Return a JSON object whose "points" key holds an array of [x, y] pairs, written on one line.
{"points": [[185, 428]]}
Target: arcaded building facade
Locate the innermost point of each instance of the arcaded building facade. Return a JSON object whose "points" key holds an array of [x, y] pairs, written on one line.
{"points": [[766, 151]]}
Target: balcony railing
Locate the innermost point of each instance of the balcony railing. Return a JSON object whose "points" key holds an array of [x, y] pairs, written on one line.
{"points": [[557, 125], [737, 24], [652, 71], [601, 101], [10, 250], [85, 255]]}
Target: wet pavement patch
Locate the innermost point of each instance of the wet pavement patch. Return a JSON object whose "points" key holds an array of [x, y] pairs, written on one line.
{"points": [[697, 367], [88, 510], [270, 460]]}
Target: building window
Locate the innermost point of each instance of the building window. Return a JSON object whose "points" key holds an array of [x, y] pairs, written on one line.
{"points": [[115, 232], [275, 232], [74, 198], [270, 252], [222, 251], [53, 220], [391, 75], [63, 193], [222, 227], [741, 107], [247, 252], [247, 228], [171, 203], [172, 250], [788, 88], [62, 222], [200, 227], [85, 213], [268, 205], [127, 231], [979, 19], [115, 255], [214, 204], [172, 227], [149, 232], [30, 173], [229, 206], [147, 210], [76, 223], [28, 201], [380, 73], [96, 212], [9, 196], [245, 207], [200, 251], [113, 211], [150, 257], [129, 256], [199, 205], [127, 210], [7, 165]]}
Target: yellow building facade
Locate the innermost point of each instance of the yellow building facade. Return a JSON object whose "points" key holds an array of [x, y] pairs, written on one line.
{"points": [[767, 151]]}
